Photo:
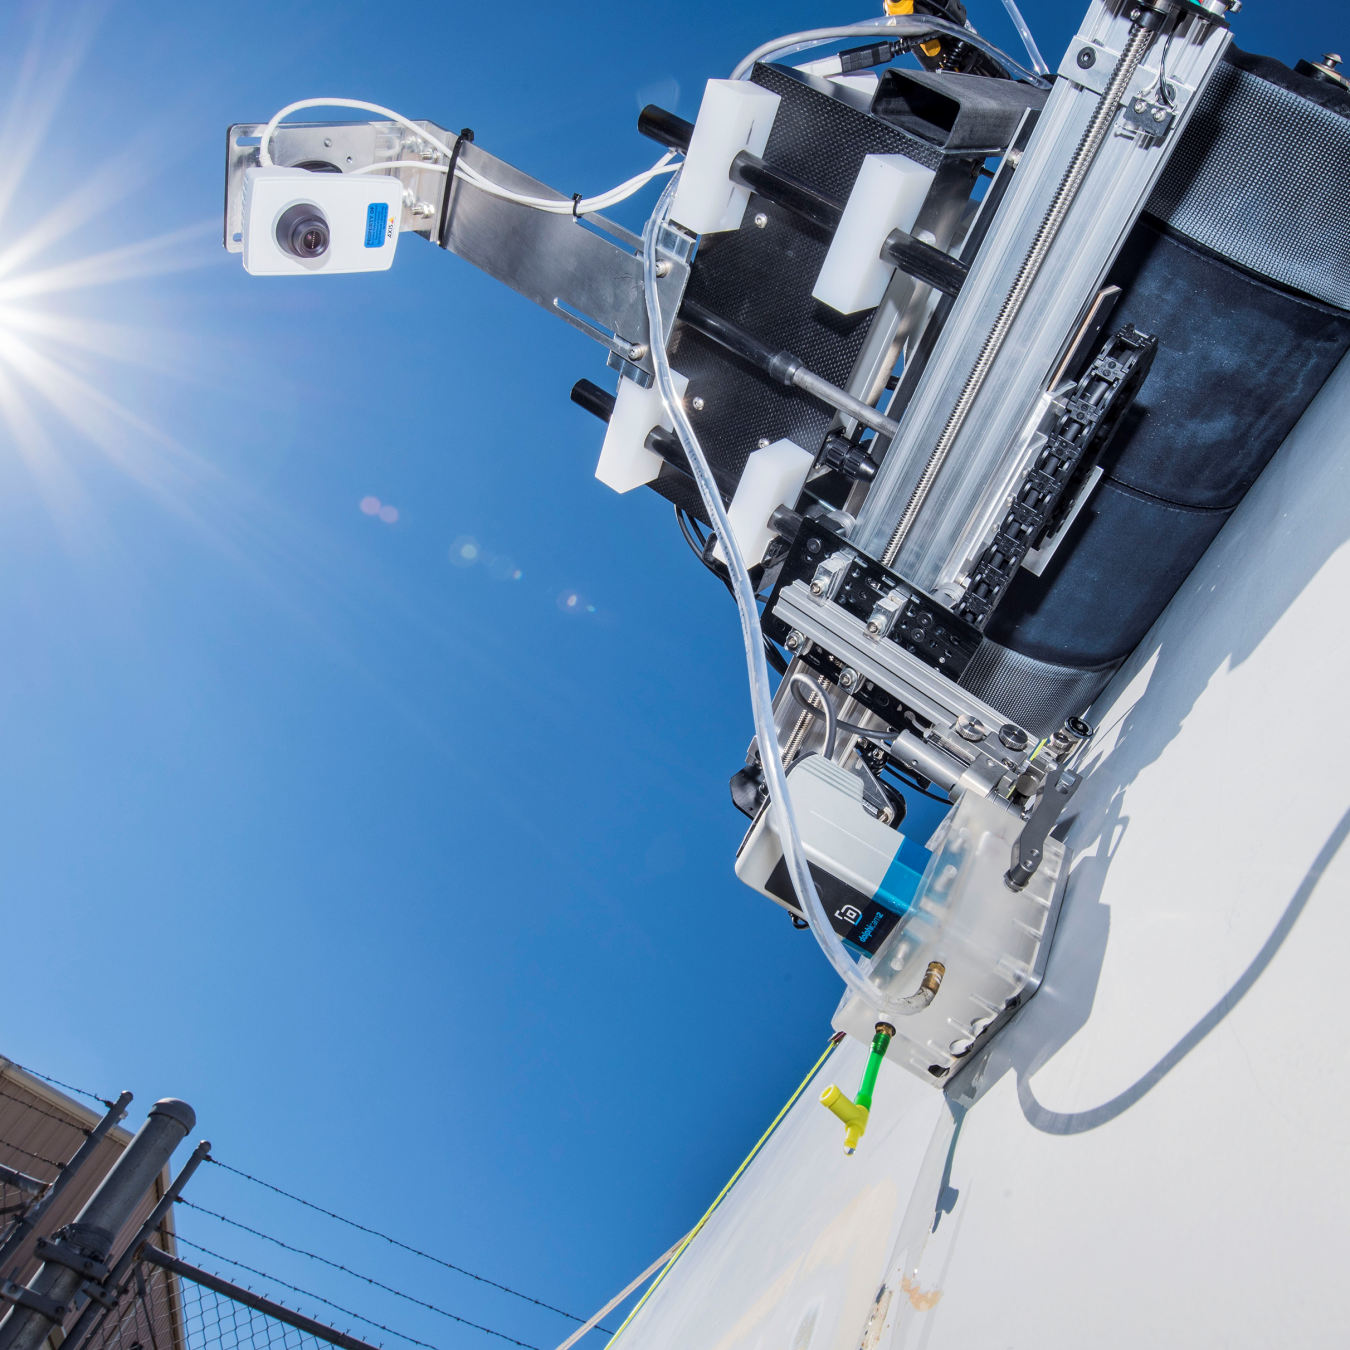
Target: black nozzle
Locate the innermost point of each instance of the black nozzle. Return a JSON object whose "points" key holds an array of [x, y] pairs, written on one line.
{"points": [[665, 128], [593, 399]]}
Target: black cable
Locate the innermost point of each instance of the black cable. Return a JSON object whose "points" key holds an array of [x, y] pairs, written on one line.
{"points": [[375, 1232], [774, 657], [914, 787]]}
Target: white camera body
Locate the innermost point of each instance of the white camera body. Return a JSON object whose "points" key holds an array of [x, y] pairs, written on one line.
{"points": [[298, 223]]}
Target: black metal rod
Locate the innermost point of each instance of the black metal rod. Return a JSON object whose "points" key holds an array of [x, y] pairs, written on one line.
{"points": [[597, 401], [667, 444], [665, 128], [924, 263], [781, 365], [251, 1300], [782, 189]]}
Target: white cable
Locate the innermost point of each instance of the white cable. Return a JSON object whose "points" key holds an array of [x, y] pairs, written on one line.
{"points": [[470, 175], [1029, 42], [898, 26], [761, 700], [402, 164]]}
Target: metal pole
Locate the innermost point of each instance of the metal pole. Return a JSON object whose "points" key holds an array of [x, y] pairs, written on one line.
{"points": [[82, 1155], [81, 1249], [77, 1333]]}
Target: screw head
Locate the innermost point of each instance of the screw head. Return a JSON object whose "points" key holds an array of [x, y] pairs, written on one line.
{"points": [[848, 677], [1087, 58], [1331, 59], [763, 443], [813, 546], [793, 641], [761, 220], [696, 403], [1139, 105], [327, 142], [970, 728], [663, 267], [1013, 737], [1160, 114]]}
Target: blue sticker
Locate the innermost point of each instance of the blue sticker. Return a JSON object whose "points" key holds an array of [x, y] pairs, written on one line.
{"points": [[377, 217]]}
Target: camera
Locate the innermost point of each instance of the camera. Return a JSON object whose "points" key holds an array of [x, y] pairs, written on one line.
{"points": [[298, 222]]}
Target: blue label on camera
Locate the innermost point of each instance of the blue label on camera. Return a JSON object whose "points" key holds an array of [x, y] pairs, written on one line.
{"points": [[377, 217]]}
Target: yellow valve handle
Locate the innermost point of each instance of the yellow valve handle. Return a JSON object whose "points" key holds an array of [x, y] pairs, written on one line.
{"points": [[853, 1116]]}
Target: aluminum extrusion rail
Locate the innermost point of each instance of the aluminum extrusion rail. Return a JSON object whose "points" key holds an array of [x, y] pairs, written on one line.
{"points": [[1093, 138]]}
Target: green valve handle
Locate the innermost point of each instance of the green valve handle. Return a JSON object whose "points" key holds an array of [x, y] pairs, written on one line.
{"points": [[854, 1113]]}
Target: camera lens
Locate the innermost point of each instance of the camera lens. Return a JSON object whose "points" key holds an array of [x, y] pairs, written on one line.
{"points": [[302, 231]]}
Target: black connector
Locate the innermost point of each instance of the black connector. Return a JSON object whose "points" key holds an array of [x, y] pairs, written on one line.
{"points": [[851, 460]]}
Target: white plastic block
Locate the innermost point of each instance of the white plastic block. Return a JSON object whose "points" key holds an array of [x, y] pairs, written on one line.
{"points": [[888, 194], [357, 218], [625, 461], [735, 115], [773, 477]]}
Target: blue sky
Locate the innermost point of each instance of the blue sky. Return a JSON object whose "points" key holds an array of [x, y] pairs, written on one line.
{"points": [[413, 879]]}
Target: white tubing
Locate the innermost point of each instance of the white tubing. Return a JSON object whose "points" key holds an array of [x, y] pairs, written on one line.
{"points": [[900, 26], [1029, 42], [761, 699]]}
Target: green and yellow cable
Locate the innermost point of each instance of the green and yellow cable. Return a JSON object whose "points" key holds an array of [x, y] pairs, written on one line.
{"points": [[721, 1195]]}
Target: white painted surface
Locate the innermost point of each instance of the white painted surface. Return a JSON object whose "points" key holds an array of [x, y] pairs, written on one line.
{"points": [[1156, 1151]]}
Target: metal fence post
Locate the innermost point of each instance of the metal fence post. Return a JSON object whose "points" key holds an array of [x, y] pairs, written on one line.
{"points": [[75, 1337], [94, 1138], [80, 1250]]}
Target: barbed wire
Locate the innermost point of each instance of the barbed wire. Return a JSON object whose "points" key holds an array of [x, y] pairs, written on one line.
{"points": [[28, 1153], [38, 1111], [314, 1256], [56, 1082], [347, 1312], [416, 1251]]}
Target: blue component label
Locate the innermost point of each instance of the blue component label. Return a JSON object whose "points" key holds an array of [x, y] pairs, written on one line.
{"points": [[377, 218]]}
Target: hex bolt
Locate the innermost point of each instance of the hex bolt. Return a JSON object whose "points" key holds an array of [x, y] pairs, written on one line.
{"points": [[761, 220], [1087, 58]]}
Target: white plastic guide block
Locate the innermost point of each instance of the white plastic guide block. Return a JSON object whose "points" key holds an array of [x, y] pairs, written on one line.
{"points": [[887, 195], [625, 461], [735, 115], [773, 476]]}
